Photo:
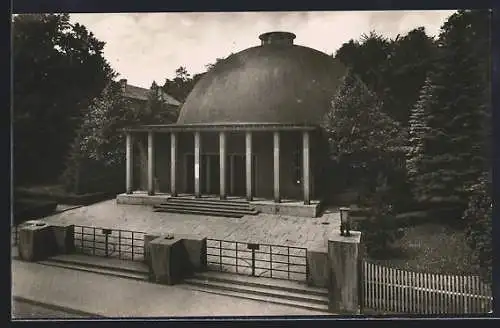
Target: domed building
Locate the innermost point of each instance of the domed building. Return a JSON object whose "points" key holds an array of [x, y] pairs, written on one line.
{"points": [[249, 129]]}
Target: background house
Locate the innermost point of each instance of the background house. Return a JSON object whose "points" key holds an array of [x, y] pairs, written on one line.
{"points": [[137, 99], [139, 96]]}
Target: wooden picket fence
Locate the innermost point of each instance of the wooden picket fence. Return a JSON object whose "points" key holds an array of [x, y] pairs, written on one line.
{"points": [[390, 290]]}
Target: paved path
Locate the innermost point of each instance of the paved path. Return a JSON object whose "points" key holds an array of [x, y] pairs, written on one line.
{"points": [[262, 228], [101, 295], [25, 309]]}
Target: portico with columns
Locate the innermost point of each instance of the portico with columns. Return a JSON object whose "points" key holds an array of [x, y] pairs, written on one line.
{"points": [[266, 163]]}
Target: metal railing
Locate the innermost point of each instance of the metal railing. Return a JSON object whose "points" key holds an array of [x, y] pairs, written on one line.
{"points": [[262, 260], [122, 244]]}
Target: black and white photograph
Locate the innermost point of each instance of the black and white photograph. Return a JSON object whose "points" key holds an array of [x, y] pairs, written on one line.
{"points": [[226, 164]]}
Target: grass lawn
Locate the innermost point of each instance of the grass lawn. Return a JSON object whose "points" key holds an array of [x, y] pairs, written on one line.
{"points": [[432, 248], [56, 192], [29, 208], [49, 190]]}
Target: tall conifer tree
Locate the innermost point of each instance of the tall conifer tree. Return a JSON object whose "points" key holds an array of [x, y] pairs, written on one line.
{"points": [[454, 147]]}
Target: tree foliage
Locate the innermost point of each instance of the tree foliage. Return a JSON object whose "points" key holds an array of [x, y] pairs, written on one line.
{"points": [[182, 84], [417, 127], [157, 110], [367, 58], [97, 155], [380, 228], [361, 137], [367, 141], [478, 218], [58, 69], [382, 64], [454, 148], [210, 66], [98, 148]]}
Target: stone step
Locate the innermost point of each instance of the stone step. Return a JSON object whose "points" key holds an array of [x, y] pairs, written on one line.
{"points": [[276, 299], [208, 208], [215, 204], [259, 290], [100, 262], [186, 210], [86, 268], [236, 202], [264, 282]]}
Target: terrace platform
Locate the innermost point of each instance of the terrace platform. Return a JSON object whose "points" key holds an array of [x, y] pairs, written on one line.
{"points": [[266, 206], [307, 232]]}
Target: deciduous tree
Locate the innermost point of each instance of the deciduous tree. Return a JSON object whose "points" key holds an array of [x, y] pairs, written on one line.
{"points": [[58, 69], [395, 69]]}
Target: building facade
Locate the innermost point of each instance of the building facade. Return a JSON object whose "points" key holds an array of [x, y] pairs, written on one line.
{"points": [[249, 128]]}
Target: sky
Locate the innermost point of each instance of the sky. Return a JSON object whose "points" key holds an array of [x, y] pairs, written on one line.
{"points": [[147, 47]]}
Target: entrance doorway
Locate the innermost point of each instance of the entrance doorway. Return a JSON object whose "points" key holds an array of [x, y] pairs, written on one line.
{"points": [[211, 182], [190, 173], [210, 174], [237, 175]]}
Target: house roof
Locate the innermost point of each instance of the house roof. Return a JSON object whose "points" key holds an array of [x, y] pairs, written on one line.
{"points": [[131, 91]]}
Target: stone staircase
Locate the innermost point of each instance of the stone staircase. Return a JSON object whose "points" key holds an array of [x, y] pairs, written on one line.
{"points": [[276, 291], [261, 289], [101, 265], [207, 206]]}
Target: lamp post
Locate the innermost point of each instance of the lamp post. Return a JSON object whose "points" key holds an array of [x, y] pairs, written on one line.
{"points": [[345, 221]]}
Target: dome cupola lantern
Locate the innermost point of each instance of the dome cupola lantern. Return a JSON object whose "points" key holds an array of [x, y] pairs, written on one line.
{"points": [[277, 38]]}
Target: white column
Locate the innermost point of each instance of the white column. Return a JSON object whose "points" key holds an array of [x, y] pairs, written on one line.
{"points": [[197, 170], [248, 157], [129, 163], [173, 163], [276, 146], [306, 167], [151, 163], [222, 164]]}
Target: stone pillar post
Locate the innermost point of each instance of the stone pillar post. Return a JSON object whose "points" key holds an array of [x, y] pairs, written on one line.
{"points": [[151, 163], [64, 235], [276, 144], [248, 157], [306, 184], [318, 267], [173, 163], [222, 164], [168, 257], [197, 157], [344, 255], [129, 163], [36, 241]]}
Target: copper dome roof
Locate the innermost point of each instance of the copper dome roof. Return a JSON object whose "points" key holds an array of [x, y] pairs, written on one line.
{"points": [[276, 82]]}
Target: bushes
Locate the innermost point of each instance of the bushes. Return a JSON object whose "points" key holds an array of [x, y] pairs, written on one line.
{"points": [[380, 228], [478, 219], [381, 231], [28, 209], [91, 176]]}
